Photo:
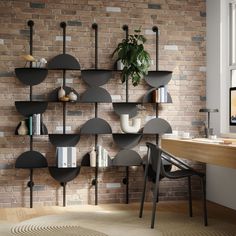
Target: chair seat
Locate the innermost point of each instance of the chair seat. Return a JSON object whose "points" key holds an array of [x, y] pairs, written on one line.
{"points": [[182, 173]]}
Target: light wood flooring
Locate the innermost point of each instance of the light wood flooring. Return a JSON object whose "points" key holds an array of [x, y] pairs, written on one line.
{"points": [[13, 215]]}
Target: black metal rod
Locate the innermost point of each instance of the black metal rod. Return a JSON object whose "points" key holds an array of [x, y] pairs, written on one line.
{"points": [[126, 29], [64, 194], [155, 29], [64, 117], [31, 142], [95, 27], [127, 185], [31, 188], [96, 168], [31, 24], [96, 171], [63, 26], [157, 136]]}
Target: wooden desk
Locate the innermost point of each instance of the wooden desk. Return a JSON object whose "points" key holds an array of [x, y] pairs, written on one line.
{"points": [[210, 153]]}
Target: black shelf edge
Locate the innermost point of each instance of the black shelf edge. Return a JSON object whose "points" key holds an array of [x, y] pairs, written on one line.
{"points": [[126, 108], [96, 94], [63, 62], [64, 175], [64, 140], [158, 78], [53, 96], [147, 98], [157, 126], [31, 76], [127, 158], [96, 77], [127, 141], [28, 108], [31, 160], [96, 126]]}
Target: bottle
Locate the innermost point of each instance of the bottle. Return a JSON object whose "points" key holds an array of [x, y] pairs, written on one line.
{"points": [[23, 129], [61, 93], [92, 156]]}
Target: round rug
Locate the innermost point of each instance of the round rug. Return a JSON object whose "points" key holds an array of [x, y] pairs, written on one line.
{"points": [[51, 230]]}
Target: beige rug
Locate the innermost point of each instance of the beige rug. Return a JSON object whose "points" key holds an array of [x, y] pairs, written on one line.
{"points": [[117, 223]]}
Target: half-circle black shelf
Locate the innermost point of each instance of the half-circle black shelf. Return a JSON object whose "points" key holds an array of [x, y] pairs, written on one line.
{"points": [[64, 140], [157, 126], [31, 76], [158, 78], [96, 77], [127, 141], [31, 160], [86, 160], [96, 126], [147, 98], [53, 96], [96, 94], [28, 108], [64, 175], [63, 62], [126, 108], [43, 131], [127, 158]]}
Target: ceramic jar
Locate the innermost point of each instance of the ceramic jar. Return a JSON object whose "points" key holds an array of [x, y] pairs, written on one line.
{"points": [[61, 93], [72, 96], [23, 129]]}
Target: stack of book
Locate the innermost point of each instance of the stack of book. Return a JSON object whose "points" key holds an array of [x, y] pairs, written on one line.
{"points": [[66, 157], [35, 124], [160, 95], [103, 157]]}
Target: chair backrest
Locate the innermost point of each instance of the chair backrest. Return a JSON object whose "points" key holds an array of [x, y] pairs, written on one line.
{"points": [[156, 163]]}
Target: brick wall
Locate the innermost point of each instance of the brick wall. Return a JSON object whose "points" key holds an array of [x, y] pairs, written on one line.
{"points": [[182, 26]]}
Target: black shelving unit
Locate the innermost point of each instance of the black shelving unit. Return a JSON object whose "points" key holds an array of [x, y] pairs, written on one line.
{"points": [[31, 76], [95, 94]]}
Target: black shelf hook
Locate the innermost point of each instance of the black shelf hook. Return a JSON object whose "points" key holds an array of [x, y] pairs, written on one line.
{"points": [[95, 27], [156, 30], [63, 26], [126, 29]]}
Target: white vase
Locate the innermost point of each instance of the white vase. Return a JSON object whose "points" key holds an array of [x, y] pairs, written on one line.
{"points": [[126, 127], [119, 65], [92, 156], [72, 96], [61, 93], [23, 129]]}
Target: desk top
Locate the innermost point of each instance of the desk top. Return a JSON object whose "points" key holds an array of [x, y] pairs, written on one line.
{"points": [[220, 152]]}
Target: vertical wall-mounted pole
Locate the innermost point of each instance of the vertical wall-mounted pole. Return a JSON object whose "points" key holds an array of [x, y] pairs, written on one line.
{"points": [[63, 26], [31, 24], [63, 184], [31, 185], [126, 29], [155, 29], [95, 181]]}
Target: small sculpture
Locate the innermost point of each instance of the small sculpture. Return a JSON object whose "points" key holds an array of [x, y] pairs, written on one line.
{"points": [[124, 123], [61, 93], [72, 96]]}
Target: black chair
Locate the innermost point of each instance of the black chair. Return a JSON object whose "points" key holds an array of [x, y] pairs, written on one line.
{"points": [[155, 169]]}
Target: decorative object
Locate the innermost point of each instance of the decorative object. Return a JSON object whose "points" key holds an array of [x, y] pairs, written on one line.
{"points": [[92, 156], [66, 157], [23, 129], [126, 127], [28, 58], [72, 96], [61, 93], [135, 59], [119, 65], [208, 130]]}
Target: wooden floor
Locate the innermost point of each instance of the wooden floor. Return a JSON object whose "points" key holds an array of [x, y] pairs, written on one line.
{"points": [[13, 215]]}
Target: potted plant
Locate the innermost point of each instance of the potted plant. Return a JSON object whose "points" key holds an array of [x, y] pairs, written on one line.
{"points": [[135, 59]]}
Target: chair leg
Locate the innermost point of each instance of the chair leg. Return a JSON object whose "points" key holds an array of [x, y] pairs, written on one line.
{"points": [[203, 179], [144, 191], [155, 197], [190, 197]]}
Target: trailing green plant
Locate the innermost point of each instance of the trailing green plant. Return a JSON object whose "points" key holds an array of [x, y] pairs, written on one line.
{"points": [[135, 59]]}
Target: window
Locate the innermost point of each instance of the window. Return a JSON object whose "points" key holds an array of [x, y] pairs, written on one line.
{"points": [[232, 42]]}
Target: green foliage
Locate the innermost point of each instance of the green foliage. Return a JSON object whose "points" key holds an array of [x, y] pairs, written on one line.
{"points": [[135, 59]]}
